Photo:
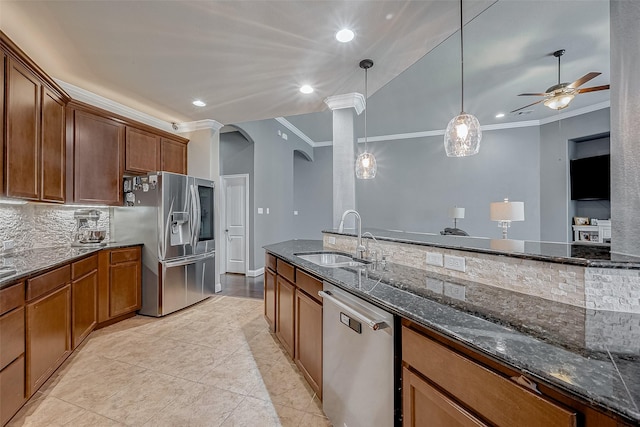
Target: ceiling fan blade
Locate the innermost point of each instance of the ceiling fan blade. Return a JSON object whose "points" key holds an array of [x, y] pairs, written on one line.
{"points": [[534, 94], [593, 89], [522, 108], [582, 80]]}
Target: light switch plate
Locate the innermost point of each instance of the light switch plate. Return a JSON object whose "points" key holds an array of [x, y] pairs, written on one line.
{"points": [[434, 258], [331, 240], [260, 211], [454, 263]]}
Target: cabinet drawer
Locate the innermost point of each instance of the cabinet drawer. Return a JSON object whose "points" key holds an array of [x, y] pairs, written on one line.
{"points": [[486, 392], [270, 261], [83, 267], [11, 297], [286, 270], [124, 255], [309, 284], [12, 393], [44, 283], [11, 336]]}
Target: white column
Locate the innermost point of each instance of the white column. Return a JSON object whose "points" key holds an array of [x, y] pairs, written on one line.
{"points": [[625, 132], [345, 108]]}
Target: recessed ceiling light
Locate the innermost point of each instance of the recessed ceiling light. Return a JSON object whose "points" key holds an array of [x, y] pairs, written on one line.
{"points": [[199, 103], [345, 35], [306, 89], [389, 16], [499, 115]]}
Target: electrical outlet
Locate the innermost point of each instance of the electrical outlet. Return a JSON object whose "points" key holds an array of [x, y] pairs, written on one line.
{"points": [[267, 211], [434, 258], [331, 240], [454, 263], [8, 244], [285, 136], [454, 291]]}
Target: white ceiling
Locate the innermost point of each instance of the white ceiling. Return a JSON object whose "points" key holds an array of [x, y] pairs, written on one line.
{"points": [[246, 59]]}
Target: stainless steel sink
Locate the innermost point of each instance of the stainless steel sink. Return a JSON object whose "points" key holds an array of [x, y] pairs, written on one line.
{"points": [[331, 260]]}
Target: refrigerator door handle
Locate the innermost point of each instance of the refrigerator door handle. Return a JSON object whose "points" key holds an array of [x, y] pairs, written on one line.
{"points": [[187, 261], [195, 217]]}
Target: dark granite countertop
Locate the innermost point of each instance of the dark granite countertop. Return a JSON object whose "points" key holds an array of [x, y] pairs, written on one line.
{"points": [[18, 265], [594, 355], [578, 253]]}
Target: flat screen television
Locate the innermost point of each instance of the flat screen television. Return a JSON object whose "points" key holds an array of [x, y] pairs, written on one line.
{"points": [[591, 178]]}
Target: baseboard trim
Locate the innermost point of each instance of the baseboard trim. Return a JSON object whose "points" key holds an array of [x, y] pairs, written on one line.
{"points": [[255, 273]]}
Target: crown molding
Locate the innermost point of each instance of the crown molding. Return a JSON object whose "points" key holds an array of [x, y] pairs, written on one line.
{"points": [[199, 125], [286, 123], [573, 113], [348, 100], [96, 100]]}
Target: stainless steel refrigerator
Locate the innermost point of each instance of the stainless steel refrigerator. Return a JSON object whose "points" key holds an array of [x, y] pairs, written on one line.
{"points": [[173, 215]]}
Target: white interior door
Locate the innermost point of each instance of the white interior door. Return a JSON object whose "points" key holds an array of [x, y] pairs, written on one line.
{"points": [[235, 224]]}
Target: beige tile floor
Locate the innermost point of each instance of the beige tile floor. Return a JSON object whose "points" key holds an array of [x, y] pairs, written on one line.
{"points": [[214, 364]]}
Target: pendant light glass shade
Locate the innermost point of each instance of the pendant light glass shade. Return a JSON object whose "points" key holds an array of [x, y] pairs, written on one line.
{"points": [[366, 166], [366, 162], [463, 135]]}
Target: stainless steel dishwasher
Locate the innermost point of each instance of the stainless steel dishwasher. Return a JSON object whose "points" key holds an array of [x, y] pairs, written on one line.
{"points": [[357, 361]]}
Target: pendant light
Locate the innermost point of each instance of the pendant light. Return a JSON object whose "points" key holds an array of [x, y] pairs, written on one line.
{"points": [[463, 134], [366, 162]]}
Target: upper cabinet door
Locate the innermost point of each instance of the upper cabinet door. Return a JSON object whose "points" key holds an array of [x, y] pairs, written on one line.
{"points": [[23, 133], [98, 159], [2, 65], [173, 156], [53, 147], [142, 151]]}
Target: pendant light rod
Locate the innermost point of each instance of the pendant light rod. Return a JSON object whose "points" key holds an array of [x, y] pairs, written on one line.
{"points": [[366, 64], [558, 54], [461, 59]]}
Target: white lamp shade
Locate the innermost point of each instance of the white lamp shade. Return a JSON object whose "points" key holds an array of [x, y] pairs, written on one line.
{"points": [[507, 245], [456, 212], [507, 211]]}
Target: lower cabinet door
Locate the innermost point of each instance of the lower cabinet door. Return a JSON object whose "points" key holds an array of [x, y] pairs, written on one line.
{"points": [[48, 336], [270, 298], [308, 340], [84, 294], [286, 310], [124, 288], [12, 393], [424, 405]]}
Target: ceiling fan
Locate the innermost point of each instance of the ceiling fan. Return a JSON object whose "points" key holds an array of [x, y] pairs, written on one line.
{"points": [[559, 96]]}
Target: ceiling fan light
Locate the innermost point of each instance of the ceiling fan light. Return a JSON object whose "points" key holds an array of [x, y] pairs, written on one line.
{"points": [[366, 166], [559, 102], [463, 136]]}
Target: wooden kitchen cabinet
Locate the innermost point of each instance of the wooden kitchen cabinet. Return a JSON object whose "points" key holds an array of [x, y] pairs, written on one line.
{"points": [[12, 348], [35, 144], [48, 335], [52, 164], [308, 330], [22, 145], [460, 391], [173, 156], [142, 152], [285, 314], [84, 297], [270, 291], [98, 144], [3, 59], [119, 282]]}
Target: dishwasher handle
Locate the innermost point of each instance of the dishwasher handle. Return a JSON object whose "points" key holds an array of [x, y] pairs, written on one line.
{"points": [[372, 323]]}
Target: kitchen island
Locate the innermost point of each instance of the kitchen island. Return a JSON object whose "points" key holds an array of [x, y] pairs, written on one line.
{"points": [[578, 356]]}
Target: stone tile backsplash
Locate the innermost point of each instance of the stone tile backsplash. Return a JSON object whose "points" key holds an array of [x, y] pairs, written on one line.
{"points": [[594, 288], [40, 226]]}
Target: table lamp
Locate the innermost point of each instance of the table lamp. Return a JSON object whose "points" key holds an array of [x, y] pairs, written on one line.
{"points": [[456, 213], [505, 212]]}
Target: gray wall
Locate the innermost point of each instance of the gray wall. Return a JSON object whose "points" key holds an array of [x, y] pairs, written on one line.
{"points": [[625, 109], [556, 208], [312, 193], [417, 183], [273, 183], [236, 157]]}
